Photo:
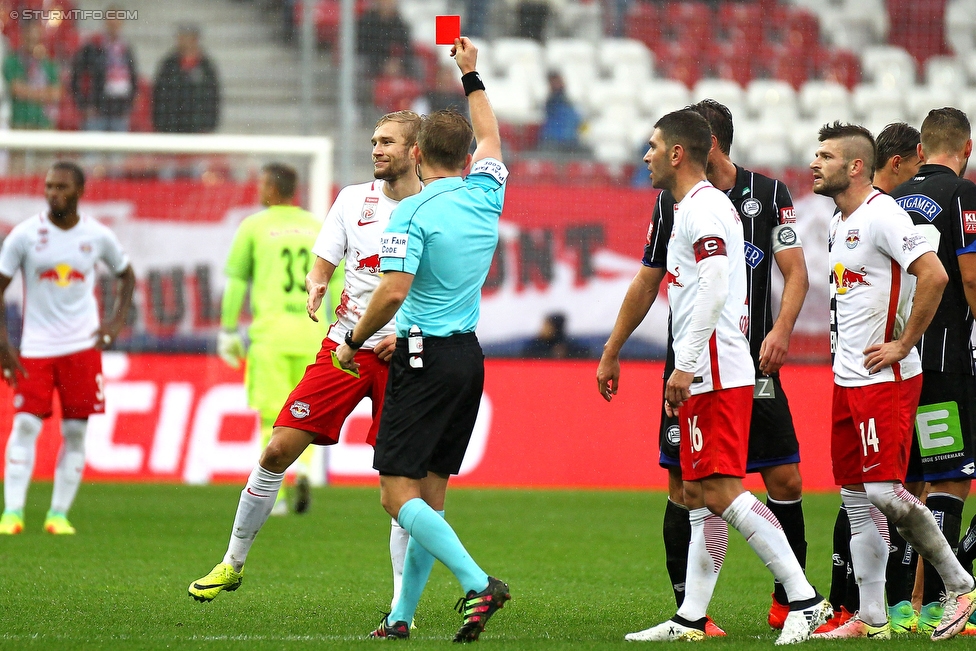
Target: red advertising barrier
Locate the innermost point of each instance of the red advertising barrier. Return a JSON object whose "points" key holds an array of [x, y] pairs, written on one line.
{"points": [[542, 424]]}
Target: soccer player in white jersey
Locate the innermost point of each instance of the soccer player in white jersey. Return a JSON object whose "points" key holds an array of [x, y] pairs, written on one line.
{"points": [[61, 346], [711, 387], [887, 283], [326, 395]]}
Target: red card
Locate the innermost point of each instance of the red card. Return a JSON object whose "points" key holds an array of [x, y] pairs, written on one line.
{"points": [[448, 29]]}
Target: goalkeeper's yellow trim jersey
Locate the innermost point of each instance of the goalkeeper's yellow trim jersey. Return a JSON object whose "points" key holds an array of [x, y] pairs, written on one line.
{"points": [[273, 251]]}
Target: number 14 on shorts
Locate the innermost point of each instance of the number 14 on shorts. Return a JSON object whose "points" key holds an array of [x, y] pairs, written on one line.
{"points": [[869, 436]]}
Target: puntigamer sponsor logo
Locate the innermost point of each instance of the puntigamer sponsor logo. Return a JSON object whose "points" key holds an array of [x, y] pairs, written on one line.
{"points": [[919, 203]]}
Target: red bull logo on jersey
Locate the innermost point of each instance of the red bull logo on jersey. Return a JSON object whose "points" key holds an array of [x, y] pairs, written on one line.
{"points": [[62, 275], [370, 263], [846, 279], [853, 237], [672, 278]]}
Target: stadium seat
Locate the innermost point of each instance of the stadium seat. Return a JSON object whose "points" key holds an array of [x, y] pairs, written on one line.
{"points": [[869, 98], [803, 30], [888, 65], [969, 62], [778, 61], [966, 102], [881, 117], [842, 66], [586, 173], [688, 22], [918, 27], [721, 90], [662, 96], [730, 60], [945, 71], [518, 137], [524, 55], [625, 58], [535, 171], [960, 26], [769, 99], [680, 61], [513, 98], [855, 24], [644, 23], [922, 99], [804, 139], [575, 60], [612, 92], [740, 22], [768, 145], [824, 101]]}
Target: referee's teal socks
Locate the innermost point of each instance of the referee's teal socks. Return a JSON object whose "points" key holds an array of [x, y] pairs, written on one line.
{"points": [[417, 564], [434, 534]]}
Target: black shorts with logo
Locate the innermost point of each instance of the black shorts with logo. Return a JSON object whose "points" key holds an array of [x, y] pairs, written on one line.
{"points": [[772, 437], [944, 428], [430, 412]]}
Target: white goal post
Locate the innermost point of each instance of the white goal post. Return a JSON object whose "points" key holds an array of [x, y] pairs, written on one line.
{"points": [[318, 149]]}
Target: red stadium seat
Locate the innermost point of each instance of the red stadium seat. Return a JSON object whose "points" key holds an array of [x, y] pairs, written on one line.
{"points": [[519, 137], [395, 92], [643, 23], [326, 19], [534, 171], [841, 66], [731, 60], [141, 117], [919, 27], [587, 173], [740, 22], [776, 23], [775, 61], [688, 22], [802, 31], [680, 61]]}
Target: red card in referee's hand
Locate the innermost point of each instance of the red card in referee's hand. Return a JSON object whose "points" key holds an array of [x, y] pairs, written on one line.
{"points": [[448, 30]]}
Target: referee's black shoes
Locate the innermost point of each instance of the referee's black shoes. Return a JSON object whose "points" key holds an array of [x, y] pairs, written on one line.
{"points": [[477, 608]]}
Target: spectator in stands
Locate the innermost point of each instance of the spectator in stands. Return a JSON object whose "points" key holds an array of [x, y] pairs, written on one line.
{"points": [[394, 90], [531, 18], [381, 34], [186, 94], [560, 129], [104, 79], [447, 93], [32, 79], [553, 342]]}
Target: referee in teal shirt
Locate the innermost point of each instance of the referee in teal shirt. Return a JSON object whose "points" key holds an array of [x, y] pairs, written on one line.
{"points": [[435, 256]]}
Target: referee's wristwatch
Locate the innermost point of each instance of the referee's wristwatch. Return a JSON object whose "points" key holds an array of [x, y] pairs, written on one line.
{"points": [[352, 344]]}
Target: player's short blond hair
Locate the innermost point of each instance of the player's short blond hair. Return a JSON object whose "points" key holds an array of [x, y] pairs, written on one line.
{"points": [[409, 120], [945, 131]]}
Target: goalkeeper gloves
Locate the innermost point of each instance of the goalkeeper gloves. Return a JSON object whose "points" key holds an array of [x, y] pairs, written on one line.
{"points": [[230, 347]]}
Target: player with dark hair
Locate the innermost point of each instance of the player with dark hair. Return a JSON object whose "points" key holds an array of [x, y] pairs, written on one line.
{"points": [[766, 211], [314, 411], [436, 254], [886, 284], [710, 390], [942, 204], [56, 251], [898, 161]]}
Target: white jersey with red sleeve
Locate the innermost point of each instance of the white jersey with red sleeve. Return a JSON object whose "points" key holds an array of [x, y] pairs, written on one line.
{"points": [[870, 253], [706, 225], [58, 267], [352, 231]]}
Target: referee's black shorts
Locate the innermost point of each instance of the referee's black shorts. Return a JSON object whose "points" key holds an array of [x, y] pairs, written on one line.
{"points": [[772, 436], [945, 424], [429, 413]]}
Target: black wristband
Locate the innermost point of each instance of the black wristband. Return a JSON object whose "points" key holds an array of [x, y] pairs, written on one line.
{"points": [[352, 344], [472, 82]]}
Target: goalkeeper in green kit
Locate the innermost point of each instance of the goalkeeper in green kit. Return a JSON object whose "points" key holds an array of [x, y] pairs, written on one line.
{"points": [[272, 251]]}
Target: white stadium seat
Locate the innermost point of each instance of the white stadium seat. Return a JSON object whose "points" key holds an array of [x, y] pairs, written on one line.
{"points": [[612, 91], [764, 143], [869, 98], [881, 117], [625, 58], [575, 60], [825, 101], [969, 61], [960, 26], [922, 99], [721, 90], [804, 140], [419, 15], [771, 99], [947, 72], [888, 65], [967, 103], [524, 55], [661, 96], [512, 97]]}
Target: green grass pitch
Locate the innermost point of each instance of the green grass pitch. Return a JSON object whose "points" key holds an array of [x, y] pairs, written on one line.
{"points": [[584, 567]]}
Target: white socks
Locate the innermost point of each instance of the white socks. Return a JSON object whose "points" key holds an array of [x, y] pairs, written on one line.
{"points": [[917, 525], [706, 553], [763, 532], [869, 554], [71, 465], [257, 499], [399, 537], [20, 460]]}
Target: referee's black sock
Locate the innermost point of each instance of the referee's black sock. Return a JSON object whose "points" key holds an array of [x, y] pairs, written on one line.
{"points": [[790, 515], [677, 537], [947, 510]]}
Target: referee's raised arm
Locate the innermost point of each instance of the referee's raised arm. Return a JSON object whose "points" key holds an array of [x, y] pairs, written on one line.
{"points": [[483, 121]]}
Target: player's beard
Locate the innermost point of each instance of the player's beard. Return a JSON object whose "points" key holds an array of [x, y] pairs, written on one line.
{"points": [[831, 187], [398, 167]]}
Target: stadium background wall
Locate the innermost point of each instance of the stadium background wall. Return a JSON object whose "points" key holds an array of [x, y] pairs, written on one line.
{"points": [[183, 418]]}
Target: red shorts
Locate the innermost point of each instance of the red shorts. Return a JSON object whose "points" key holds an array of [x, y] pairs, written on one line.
{"points": [[326, 396], [872, 429], [715, 433], [77, 377]]}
